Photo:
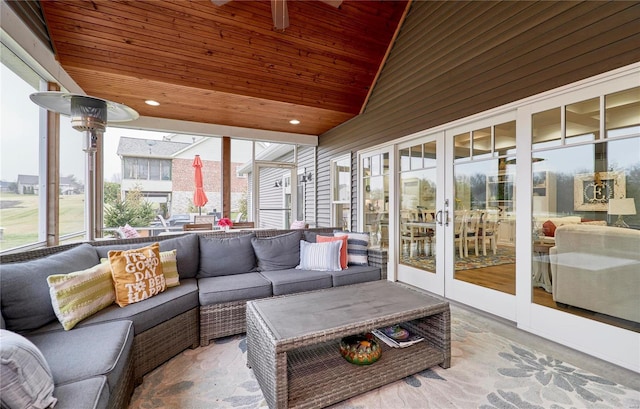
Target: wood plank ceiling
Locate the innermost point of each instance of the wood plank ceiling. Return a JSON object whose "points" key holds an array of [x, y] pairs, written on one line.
{"points": [[226, 64]]}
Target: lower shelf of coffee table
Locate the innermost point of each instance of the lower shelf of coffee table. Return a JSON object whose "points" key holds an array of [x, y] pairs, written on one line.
{"points": [[319, 376]]}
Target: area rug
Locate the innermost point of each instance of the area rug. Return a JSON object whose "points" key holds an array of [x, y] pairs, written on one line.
{"points": [[487, 371], [504, 255]]}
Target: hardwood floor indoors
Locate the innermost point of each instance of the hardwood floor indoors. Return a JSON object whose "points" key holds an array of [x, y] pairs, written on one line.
{"points": [[502, 278]]}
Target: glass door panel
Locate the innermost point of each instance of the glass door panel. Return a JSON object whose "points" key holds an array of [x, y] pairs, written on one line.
{"points": [[480, 264], [375, 169], [421, 251]]}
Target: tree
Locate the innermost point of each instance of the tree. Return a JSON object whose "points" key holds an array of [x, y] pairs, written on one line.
{"points": [[111, 192], [133, 210]]}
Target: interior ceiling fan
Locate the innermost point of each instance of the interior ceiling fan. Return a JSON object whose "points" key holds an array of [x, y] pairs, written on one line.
{"points": [[279, 11]]}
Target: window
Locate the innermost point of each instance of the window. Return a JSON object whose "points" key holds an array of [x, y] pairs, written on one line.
{"points": [[341, 192], [21, 157], [575, 182]]}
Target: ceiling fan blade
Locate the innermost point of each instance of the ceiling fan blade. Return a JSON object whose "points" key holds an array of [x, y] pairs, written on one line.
{"points": [[220, 2], [333, 3], [280, 14]]}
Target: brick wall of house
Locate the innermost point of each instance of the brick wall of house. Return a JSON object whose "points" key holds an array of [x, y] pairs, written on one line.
{"points": [[182, 174]]}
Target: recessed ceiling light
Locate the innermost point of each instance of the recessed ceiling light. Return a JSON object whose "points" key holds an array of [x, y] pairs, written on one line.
{"points": [[152, 102], [294, 122]]}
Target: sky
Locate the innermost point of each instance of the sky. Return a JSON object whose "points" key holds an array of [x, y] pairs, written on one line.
{"points": [[19, 130]]}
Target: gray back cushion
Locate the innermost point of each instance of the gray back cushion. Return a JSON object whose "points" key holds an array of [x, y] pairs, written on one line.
{"points": [[226, 256], [279, 252], [187, 254], [24, 292]]}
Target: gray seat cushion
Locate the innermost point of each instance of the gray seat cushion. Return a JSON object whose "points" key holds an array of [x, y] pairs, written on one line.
{"points": [[355, 275], [152, 311], [24, 292], [279, 252], [294, 281], [226, 256], [82, 353], [187, 254], [92, 393], [247, 286]]}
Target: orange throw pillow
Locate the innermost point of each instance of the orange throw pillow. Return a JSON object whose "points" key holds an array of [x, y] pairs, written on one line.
{"points": [[343, 249], [549, 228], [137, 274]]}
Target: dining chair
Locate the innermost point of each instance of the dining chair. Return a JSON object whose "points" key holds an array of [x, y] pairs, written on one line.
{"points": [[471, 232], [489, 234], [412, 236], [197, 226], [459, 221]]}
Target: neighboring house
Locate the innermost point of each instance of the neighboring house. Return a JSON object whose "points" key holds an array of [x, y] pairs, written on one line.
{"points": [[5, 187], [146, 165], [163, 171], [69, 186], [28, 184]]}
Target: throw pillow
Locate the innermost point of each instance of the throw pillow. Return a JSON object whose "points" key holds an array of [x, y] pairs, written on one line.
{"points": [[279, 252], [298, 224], [549, 228], [78, 295], [128, 232], [357, 244], [137, 274], [27, 381], [320, 256], [343, 249], [168, 259]]}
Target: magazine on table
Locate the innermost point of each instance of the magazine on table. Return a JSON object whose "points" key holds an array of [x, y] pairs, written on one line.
{"points": [[396, 336]]}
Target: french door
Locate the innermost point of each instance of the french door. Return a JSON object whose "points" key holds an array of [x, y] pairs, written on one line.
{"points": [[454, 214], [480, 185]]}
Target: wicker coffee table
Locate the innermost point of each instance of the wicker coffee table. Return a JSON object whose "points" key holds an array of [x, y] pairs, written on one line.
{"points": [[293, 341]]}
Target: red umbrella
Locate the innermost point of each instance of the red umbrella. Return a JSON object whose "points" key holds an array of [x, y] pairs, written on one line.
{"points": [[199, 197]]}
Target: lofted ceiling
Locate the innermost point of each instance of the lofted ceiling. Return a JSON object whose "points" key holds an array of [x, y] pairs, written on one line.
{"points": [[225, 64]]}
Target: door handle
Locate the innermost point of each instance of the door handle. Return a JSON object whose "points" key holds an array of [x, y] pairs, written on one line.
{"points": [[439, 217]]}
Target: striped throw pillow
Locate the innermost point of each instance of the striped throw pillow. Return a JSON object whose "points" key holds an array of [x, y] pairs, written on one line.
{"points": [[76, 296], [320, 256], [357, 244], [170, 267]]}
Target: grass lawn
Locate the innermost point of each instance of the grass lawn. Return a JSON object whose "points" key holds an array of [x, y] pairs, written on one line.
{"points": [[19, 218]]}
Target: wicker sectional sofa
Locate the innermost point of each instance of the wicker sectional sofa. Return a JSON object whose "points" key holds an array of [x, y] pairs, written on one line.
{"points": [[98, 362]]}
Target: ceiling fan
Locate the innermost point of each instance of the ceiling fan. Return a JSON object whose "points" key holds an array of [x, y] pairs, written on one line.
{"points": [[279, 11]]}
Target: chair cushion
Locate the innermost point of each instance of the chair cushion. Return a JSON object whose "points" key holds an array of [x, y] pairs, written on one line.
{"points": [[76, 296], [357, 244], [24, 292], [294, 281], [92, 393], [137, 274], [226, 256], [26, 378], [320, 256], [85, 352], [187, 252], [355, 275], [153, 311], [279, 252], [247, 286]]}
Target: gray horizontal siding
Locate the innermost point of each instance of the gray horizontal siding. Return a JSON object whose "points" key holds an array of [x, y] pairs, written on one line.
{"points": [[455, 59]]}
